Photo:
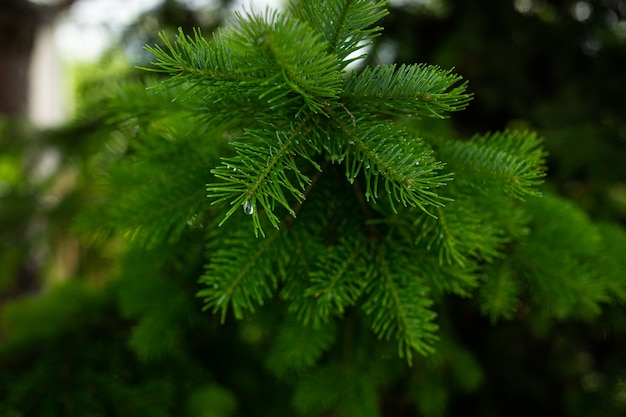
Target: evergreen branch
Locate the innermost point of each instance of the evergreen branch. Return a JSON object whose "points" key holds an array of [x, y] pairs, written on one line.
{"points": [[241, 272], [498, 296], [161, 305], [612, 262], [195, 59], [287, 48], [336, 282], [513, 161], [415, 90], [344, 24], [463, 232], [263, 169], [398, 303], [147, 217], [337, 389], [554, 260], [137, 101], [298, 347], [150, 102], [269, 57], [566, 289], [447, 279], [442, 278], [380, 149]]}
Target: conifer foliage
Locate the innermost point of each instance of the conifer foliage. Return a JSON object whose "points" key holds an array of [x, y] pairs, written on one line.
{"points": [[293, 65], [321, 192], [316, 209]]}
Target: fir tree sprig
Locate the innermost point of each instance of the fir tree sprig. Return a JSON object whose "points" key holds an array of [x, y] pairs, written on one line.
{"points": [[413, 90], [379, 150], [298, 347], [377, 234], [399, 304], [336, 282], [563, 282], [256, 59], [291, 64], [347, 26], [499, 295], [264, 168], [511, 159], [242, 273], [460, 234], [279, 86]]}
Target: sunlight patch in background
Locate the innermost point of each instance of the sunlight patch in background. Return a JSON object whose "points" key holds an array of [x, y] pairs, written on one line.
{"points": [[91, 26]]}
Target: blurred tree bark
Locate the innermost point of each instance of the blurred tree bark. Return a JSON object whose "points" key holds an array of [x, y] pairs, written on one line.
{"points": [[19, 22]]}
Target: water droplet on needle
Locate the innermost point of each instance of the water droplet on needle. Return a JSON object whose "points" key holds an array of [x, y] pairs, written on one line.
{"points": [[248, 207]]}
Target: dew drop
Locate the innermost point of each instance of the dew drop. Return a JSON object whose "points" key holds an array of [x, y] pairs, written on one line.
{"points": [[248, 207], [417, 163]]}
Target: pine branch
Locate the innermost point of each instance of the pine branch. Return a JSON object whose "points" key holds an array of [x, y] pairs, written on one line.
{"points": [[291, 68], [346, 25], [512, 161], [263, 169], [145, 216], [256, 59], [414, 90], [448, 279], [381, 150], [398, 303], [337, 281], [463, 232], [611, 260], [405, 229], [307, 70], [195, 60], [280, 60], [162, 307], [242, 272], [346, 389], [298, 347], [498, 296], [555, 259]]}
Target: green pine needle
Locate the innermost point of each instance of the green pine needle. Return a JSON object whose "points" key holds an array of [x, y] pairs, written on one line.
{"points": [[399, 304], [240, 273], [347, 26], [513, 161], [414, 90]]}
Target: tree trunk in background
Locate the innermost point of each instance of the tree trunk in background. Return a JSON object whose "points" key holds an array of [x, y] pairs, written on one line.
{"points": [[20, 23], [20, 20]]}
